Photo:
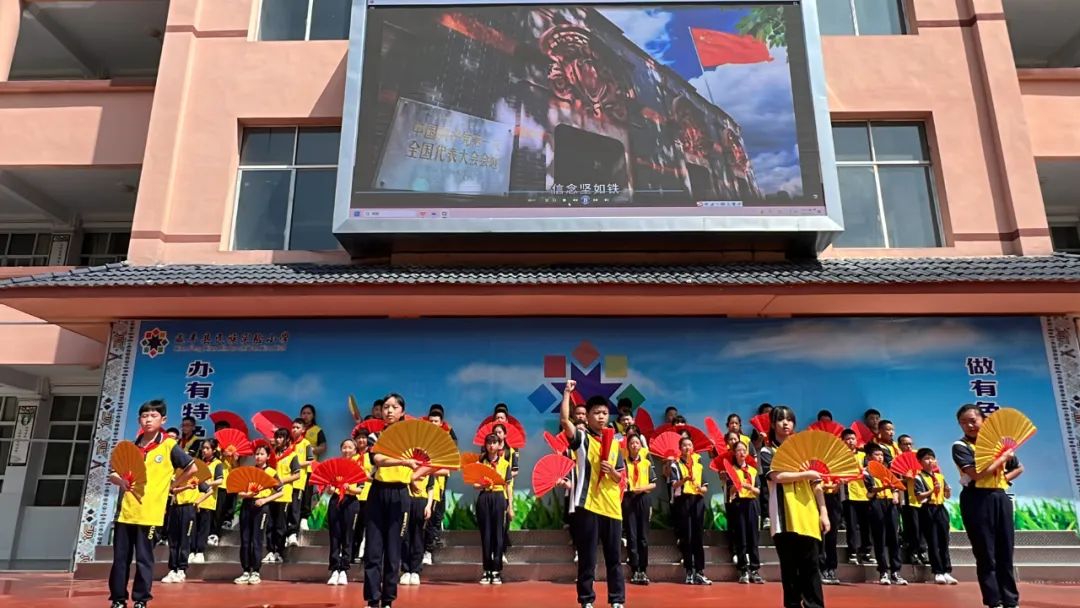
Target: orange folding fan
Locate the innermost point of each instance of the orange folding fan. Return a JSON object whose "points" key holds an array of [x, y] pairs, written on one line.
{"points": [[234, 421], [421, 441], [880, 472], [548, 471], [268, 421], [337, 474], [558, 442], [129, 463], [234, 443], [816, 451], [1005, 429], [469, 458], [906, 465], [249, 479], [515, 438], [202, 472], [829, 426], [481, 473], [665, 445]]}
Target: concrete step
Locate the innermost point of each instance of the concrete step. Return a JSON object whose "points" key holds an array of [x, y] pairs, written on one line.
{"points": [[567, 572]]}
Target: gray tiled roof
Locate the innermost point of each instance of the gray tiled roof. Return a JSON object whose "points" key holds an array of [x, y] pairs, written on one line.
{"points": [[870, 271]]}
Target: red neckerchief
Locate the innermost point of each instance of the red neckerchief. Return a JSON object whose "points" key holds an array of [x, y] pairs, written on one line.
{"points": [[289, 450], [184, 443], [150, 446], [634, 471]]}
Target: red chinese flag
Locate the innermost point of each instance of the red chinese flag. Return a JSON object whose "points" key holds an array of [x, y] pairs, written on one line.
{"points": [[720, 48]]}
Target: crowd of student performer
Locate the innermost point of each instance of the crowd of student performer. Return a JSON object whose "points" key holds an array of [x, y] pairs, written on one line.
{"points": [[392, 522]]}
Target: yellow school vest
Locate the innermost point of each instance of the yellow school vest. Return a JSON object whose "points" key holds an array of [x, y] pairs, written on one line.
{"points": [[745, 439], [885, 494], [150, 511], [284, 466], [800, 510], [502, 466], [603, 496], [398, 474], [637, 473], [369, 468], [912, 500], [440, 488], [226, 468], [300, 451], [189, 495], [312, 437], [747, 476], [268, 491], [694, 471], [856, 491], [937, 497], [210, 503], [994, 482]]}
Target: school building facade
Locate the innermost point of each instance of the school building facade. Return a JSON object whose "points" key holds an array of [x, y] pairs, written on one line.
{"points": [[126, 194]]}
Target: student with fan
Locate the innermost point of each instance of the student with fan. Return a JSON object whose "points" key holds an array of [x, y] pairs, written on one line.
{"points": [[181, 527], [884, 520], [317, 438], [871, 418], [742, 511], [798, 517], [931, 490], [206, 504], [362, 456], [913, 548], [502, 416], [637, 507], [885, 438], [596, 502], [341, 515], [491, 507], [226, 503], [142, 505], [856, 503], [254, 515], [985, 508], [305, 456], [734, 425], [288, 471], [670, 413], [688, 490], [433, 529]]}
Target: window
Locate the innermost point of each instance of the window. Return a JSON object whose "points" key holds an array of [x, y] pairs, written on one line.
{"points": [[285, 198], [104, 248], [861, 17], [304, 19], [67, 451], [1065, 238], [25, 249], [886, 185], [8, 407]]}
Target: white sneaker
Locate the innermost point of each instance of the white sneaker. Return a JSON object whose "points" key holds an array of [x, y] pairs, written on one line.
{"points": [[427, 558], [343, 578], [181, 576], [278, 558], [169, 578], [255, 579], [292, 541], [212, 540], [940, 579], [197, 558], [949, 579], [333, 578], [405, 579], [243, 579], [361, 552], [415, 578], [885, 580], [304, 525]]}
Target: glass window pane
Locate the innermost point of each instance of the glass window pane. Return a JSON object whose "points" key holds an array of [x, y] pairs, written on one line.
{"points": [[50, 493], [261, 209], [858, 198], [57, 457], [88, 408], [79, 457], [73, 495], [834, 18], [899, 142], [44, 242], [330, 20], [267, 146], [6, 431], [4, 243], [62, 431], [21, 244], [909, 206], [283, 20], [852, 141], [95, 243], [318, 146], [65, 409], [7, 409], [84, 432], [118, 244], [5, 448], [313, 210], [878, 17], [1065, 238]]}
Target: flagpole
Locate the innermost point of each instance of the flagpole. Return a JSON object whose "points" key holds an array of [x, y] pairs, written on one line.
{"points": [[704, 76]]}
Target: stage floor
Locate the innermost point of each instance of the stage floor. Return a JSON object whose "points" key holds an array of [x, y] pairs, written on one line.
{"points": [[38, 590]]}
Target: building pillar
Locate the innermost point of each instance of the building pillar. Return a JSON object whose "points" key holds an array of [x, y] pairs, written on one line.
{"points": [[10, 18]]}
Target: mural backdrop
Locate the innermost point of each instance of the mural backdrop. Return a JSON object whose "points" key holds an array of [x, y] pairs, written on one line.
{"points": [[915, 371]]}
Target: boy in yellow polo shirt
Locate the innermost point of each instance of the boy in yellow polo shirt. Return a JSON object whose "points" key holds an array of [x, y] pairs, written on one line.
{"points": [[596, 501], [856, 504], [134, 528]]}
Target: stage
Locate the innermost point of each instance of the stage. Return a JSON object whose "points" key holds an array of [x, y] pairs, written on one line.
{"points": [[38, 590]]}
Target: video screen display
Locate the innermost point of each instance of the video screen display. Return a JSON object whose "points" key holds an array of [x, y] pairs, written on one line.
{"points": [[567, 111]]}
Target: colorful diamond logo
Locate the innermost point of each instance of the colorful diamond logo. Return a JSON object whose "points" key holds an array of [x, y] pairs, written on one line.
{"points": [[154, 342], [543, 399], [633, 394], [586, 354], [555, 366]]}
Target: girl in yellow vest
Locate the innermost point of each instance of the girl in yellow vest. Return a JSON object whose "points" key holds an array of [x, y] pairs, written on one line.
{"points": [[797, 515], [491, 507], [688, 491], [206, 505], [253, 519], [226, 503], [317, 438], [341, 517], [363, 456], [637, 507], [288, 471], [305, 457], [743, 516], [987, 512]]}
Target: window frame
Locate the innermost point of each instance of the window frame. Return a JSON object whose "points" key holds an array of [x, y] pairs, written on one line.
{"points": [[21, 259], [873, 163], [307, 25], [87, 259], [902, 6], [292, 167], [70, 476], [4, 402]]}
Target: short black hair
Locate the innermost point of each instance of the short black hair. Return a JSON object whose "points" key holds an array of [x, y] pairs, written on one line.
{"points": [[670, 408], [625, 403], [733, 416], [870, 412], [680, 419], [491, 438], [778, 413], [501, 407], [173, 430], [764, 406], [902, 437], [846, 433], [436, 409], [924, 452], [730, 434], [377, 403], [395, 397], [883, 422], [261, 446], [281, 434], [824, 413], [298, 419], [314, 415], [872, 447], [154, 405], [222, 424], [596, 401], [190, 419], [960, 412]]}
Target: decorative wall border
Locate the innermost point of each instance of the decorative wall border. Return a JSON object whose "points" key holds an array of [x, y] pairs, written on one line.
{"points": [[1063, 355], [99, 501]]}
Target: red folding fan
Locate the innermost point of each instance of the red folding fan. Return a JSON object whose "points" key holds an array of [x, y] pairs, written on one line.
{"points": [[268, 421], [548, 471], [829, 426], [369, 427], [234, 421], [884, 475], [234, 443], [761, 423], [607, 438], [337, 474], [863, 434], [727, 455], [510, 421], [643, 421], [558, 443], [514, 437], [906, 465], [716, 435], [700, 439], [665, 445], [729, 468]]}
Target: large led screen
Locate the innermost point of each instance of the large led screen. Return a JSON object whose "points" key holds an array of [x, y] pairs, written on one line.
{"points": [[584, 111]]}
